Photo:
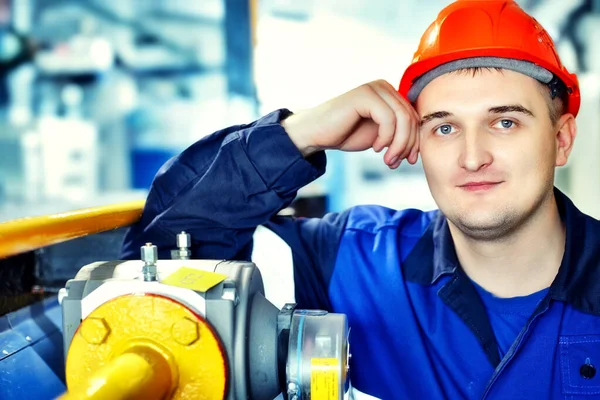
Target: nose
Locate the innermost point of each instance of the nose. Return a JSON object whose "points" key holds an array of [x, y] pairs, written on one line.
{"points": [[475, 154]]}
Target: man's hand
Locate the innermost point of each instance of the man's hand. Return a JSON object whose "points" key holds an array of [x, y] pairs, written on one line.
{"points": [[372, 115]]}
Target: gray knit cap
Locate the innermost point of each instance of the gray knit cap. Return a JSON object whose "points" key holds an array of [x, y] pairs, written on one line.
{"points": [[524, 67]]}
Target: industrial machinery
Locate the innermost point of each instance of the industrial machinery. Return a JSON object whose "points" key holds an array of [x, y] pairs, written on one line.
{"points": [[194, 329]]}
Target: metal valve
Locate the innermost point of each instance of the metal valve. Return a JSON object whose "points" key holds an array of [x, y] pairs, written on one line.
{"points": [[149, 257]]}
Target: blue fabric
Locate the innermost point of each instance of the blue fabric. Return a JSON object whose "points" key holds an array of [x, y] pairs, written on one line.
{"points": [[420, 329], [32, 365], [508, 316]]}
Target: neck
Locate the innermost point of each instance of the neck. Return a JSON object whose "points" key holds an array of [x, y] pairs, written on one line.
{"points": [[524, 262]]}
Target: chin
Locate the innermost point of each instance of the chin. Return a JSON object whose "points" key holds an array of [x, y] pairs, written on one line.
{"points": [[485, 230], [484, 225]]}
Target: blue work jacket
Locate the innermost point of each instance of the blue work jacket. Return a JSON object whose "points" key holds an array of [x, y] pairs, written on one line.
{"points": [[419, 327]]}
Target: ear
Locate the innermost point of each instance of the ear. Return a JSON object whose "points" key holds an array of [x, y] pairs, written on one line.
{"points": [[565, 136]]}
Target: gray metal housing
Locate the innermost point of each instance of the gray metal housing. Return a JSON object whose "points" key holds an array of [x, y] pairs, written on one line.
{"points": [[236, 308]]}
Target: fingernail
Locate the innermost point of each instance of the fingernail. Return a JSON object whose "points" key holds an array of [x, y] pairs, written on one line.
{"points": [[376, 146], [413, 156], [393, 160]]}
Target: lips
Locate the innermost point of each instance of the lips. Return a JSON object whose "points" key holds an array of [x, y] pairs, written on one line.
{"points": [[477, 186]]}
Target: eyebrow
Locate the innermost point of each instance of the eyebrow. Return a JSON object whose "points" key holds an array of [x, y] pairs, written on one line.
{"points": [[494, 110], [435, 115], [511, 108]]}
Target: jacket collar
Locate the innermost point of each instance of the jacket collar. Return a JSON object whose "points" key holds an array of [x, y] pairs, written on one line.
{"points": [[578, 278]]}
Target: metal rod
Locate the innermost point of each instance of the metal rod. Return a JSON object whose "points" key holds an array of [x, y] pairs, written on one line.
{"points": [[26, 234], [128, 376]]}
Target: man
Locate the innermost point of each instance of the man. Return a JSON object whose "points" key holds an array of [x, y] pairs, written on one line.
{"points": [[497, 294]]}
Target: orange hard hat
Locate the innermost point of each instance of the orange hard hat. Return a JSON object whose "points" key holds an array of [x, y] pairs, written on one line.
{"points": [[489, 33]]}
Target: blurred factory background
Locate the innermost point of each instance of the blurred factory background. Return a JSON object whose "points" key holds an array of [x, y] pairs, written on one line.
{"points": [[95, 95]]}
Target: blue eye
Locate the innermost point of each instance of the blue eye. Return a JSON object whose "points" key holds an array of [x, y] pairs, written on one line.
{"points": [[506, 124], [444, 129]]}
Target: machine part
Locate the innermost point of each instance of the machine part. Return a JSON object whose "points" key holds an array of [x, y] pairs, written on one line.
{"points": [[139, 374], [230, 292], [184, 240], [184, 244], [284, 325], [231, 314], [149, 257], [95, 330], [254, 335], [263, 366], [100, 282], [317, 361], [184, 356]]}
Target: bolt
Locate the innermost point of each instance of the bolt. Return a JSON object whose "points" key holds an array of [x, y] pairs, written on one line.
{"points": [[149, 256], [183, 252], [149, 273], [185, 331], [94, 330], [292, 389], [184, 240]]}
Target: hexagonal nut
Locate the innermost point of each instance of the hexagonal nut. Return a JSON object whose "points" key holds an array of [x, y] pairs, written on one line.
{"points": [[185, 331], [94, 330]]}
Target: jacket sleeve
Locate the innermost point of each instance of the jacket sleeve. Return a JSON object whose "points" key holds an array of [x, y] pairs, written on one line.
{"points": [[224, 186]]}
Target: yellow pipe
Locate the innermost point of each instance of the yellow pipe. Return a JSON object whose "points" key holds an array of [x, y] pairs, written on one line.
{"points": [[22, 235], [133, 375]]}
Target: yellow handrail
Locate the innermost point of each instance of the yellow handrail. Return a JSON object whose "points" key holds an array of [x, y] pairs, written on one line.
{"points": [[26, 234]]}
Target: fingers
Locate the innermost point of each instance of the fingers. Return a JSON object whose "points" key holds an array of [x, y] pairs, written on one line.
{"points": [[374, 106], [414, 155], [412, 149], [405, 141]]}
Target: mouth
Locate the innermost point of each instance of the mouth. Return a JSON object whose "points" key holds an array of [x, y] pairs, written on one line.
{"points": [[479, 186]]}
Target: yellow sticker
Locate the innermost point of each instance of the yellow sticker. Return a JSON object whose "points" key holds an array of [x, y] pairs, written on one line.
{"points": [[190, 278], [324, 381]]}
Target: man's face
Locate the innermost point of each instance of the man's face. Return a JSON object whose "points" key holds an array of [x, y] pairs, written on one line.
{"points": [[488, 149]]}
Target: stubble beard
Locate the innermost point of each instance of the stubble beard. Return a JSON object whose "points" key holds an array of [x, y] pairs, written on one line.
{"points": [[499, 225]]}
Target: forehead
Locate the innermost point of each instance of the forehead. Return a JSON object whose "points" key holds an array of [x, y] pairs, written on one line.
{"points": [[482, 89]]}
